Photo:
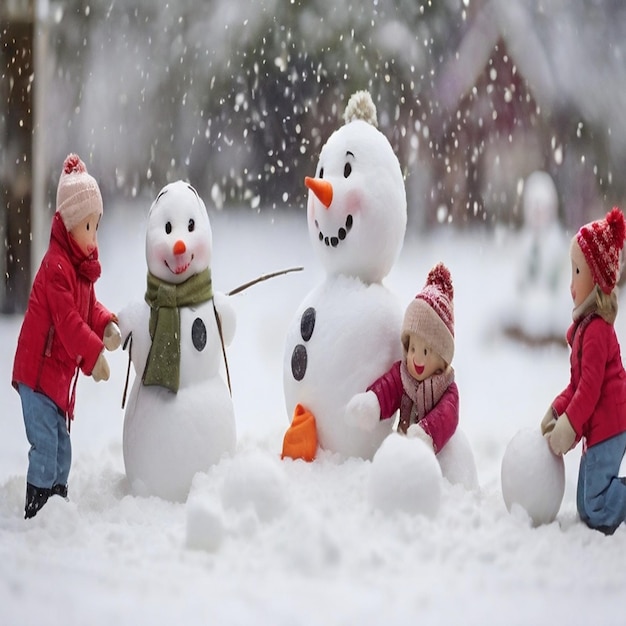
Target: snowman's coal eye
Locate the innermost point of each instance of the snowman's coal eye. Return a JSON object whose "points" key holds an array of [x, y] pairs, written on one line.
{"points": [[347, 170], [321, 173], [168, 227], [191, 226]]}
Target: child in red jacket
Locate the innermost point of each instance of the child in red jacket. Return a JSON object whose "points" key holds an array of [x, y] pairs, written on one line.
{"points": [[65, 328], [422, 385], [593, 405]]}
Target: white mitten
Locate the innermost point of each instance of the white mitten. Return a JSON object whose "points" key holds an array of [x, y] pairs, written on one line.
{"points": [[112, 336], [100, 369], [415, 431], [363, 411], [563, 436], [548, 422]]}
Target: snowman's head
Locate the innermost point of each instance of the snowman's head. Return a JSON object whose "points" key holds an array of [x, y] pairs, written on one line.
{"points": [[356, 209], [541, 202], [179, 241]]}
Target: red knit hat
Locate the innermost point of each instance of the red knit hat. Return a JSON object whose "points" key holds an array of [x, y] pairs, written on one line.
{"points": [[78, 194], [431, 314], [601, 243]]}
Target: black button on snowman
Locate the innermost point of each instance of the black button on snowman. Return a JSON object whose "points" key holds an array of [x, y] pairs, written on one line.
{"points": [[198, 334], [299, 355]]}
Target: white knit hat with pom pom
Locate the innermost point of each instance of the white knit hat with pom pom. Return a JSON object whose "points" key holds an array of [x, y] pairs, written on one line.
{"points": [[78, 194]]}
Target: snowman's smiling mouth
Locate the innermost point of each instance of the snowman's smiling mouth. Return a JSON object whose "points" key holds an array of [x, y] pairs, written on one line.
{"points": [[179, 269], [333, 241]]}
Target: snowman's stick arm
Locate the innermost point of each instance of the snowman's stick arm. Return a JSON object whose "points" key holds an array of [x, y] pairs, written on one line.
{"points": [[260, 279], [218, 321]]}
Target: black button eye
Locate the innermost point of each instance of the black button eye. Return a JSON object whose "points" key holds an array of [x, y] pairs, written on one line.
{"points": [[321, 172], [347, 170], [191, 226], [168, 227]]}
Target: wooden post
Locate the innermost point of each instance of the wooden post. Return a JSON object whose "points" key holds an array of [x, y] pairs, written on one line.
{"points": [[17, 20]]}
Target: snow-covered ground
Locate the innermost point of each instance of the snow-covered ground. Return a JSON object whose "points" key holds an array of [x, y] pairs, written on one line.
{"points": [[261, 541]]}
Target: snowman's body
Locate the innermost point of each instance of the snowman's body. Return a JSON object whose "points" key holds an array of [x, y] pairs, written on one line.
{"points": [[346, 333], [169, 435], [355, 337]]}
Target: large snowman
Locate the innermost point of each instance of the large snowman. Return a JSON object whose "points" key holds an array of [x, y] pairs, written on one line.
{"points": [[179, 419], [345, 332]]}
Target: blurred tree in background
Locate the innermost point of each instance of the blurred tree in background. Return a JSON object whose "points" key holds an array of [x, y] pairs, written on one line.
{"points": [[238, 97]]}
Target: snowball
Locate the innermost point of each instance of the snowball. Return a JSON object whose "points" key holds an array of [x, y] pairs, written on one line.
{"points": [[532, 476], [457, 461], [256, 482], [405, 477], [205, 526]]}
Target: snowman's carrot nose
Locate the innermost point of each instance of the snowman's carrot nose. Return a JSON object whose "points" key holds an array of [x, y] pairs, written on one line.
{"points": [[180, 247], [321, 188]]}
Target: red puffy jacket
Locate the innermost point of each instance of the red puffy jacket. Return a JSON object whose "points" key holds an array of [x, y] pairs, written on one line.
{"points": [[64, 323], [440, 422], [595, 399]]}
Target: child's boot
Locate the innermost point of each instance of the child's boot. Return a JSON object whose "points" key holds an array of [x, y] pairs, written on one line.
{"points": [[59, 490], [36, 497]]}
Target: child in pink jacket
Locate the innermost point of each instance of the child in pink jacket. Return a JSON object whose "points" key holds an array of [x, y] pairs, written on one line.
{"points": [[422, 385], [593, 406]]}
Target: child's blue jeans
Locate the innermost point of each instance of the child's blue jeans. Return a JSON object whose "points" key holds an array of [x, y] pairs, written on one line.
{"points": [[50, 454], [601, 494]]}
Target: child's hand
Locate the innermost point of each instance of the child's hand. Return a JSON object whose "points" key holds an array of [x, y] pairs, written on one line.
{"points": [[363, 411], [415, 431], [112, 336], [101, 369], [563, 436]]}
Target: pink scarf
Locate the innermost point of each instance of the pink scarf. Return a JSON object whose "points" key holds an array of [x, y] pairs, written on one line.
{"points": [[420, 397]]}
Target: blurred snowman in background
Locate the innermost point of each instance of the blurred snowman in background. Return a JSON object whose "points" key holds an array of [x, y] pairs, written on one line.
{"points": [[541, 306]]}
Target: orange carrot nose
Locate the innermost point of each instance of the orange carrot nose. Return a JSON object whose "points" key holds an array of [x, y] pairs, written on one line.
{"points": [[321, 188], [180, 247]]}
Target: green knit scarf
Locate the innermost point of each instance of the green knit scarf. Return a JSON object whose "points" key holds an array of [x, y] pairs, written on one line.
{"points": [[165, 299]]}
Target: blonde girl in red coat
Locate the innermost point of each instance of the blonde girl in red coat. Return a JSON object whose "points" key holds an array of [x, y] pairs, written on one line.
{"points": [[593, 406], [64, 329]]}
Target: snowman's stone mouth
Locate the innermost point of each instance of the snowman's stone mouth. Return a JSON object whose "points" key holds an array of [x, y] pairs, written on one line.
{"points": [[339, 237], [179, 269]]}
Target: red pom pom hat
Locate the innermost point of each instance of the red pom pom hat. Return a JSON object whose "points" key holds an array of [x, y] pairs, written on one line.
{"points": [[601, 243], [78, 194], [431, 314]]}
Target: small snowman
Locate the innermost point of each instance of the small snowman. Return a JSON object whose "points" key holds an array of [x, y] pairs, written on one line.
{"points": [[179, 419], [540, 304], [344, 334]]}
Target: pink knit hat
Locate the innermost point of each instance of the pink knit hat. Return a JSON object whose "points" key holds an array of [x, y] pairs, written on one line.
{"points": [[78, 194], [601, 243], [431, 314]]}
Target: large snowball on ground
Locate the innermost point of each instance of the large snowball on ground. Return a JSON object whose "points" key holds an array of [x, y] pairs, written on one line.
{"points": [[532, 476], [405, 476]]}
